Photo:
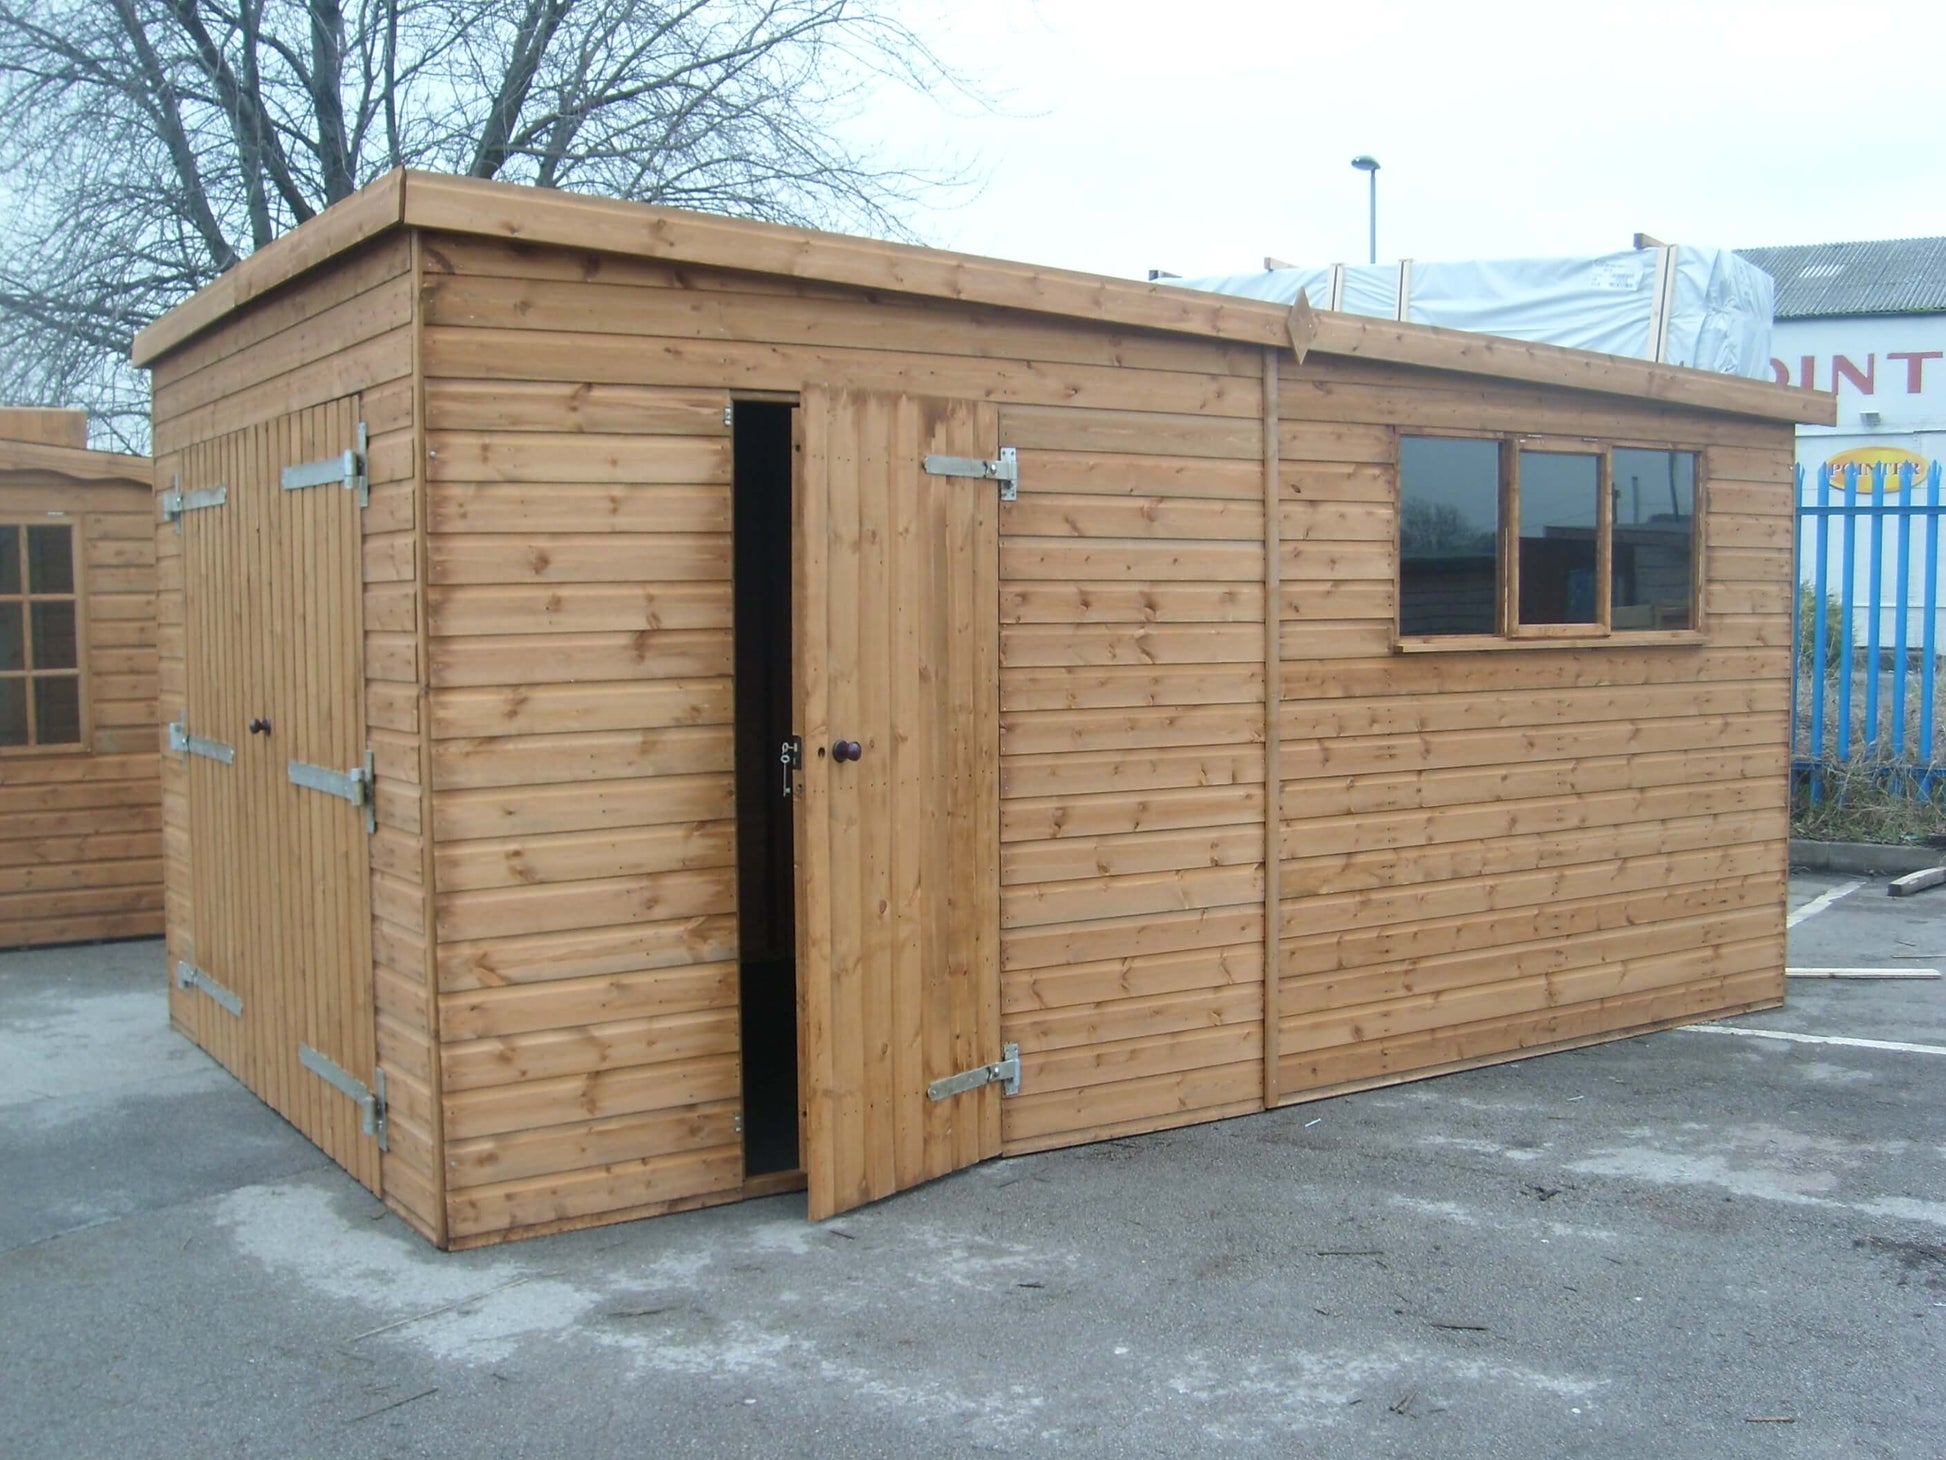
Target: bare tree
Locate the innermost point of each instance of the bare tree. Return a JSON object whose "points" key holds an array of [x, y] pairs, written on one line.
{"points": [[148, 145]]}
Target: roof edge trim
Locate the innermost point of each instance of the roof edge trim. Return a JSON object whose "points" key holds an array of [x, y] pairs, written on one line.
{"points": [[374, 208], [571, 220], [79, 462]]}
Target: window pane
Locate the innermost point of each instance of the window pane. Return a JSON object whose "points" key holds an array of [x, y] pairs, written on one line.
{"points": [[1559, 498], [1449, 527], [50, 560], [53, 627], [1655, 536], [57, 709], [13, 650], [13, 712], [9, 560]]}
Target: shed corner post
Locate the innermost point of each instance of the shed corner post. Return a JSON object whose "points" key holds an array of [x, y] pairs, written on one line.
{"points": [[1273, 696]]}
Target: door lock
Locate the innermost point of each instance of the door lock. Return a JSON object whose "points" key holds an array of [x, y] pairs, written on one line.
{"points": [[791, 756]]}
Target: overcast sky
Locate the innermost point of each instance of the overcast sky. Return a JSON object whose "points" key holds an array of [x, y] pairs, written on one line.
{"points": [[1200, 137]]}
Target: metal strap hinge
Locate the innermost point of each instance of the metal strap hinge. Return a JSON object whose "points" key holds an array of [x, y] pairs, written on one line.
{"points": [[370, 1100], [1006, 1070], [355, 785], [1004, 470], [183, 743], [347, 469], [189, 976], [176, 501]]}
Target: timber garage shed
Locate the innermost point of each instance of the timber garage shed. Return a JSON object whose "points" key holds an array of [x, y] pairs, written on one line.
{"points": [[671, 709], [80, 804]]}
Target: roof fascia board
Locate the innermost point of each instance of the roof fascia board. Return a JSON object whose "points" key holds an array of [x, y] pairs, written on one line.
{"points": [[568, 220], [77, 462], [377, 206], [1357, 337]]}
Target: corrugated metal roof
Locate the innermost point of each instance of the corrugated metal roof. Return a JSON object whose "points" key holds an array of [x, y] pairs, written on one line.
{"points": [[1878, 276]]}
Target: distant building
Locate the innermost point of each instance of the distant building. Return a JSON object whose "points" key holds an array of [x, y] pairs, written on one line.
{"points": [[1867, 320]]}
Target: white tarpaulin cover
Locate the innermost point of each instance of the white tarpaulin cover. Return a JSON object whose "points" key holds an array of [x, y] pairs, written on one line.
{"points": [[1711, 308]]}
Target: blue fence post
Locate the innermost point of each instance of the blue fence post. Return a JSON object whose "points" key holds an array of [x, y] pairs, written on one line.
{"points": [[1876, 586], [1847, 579], [1797, 624], [1821, 633], [1903, 591], [1929, 635]]}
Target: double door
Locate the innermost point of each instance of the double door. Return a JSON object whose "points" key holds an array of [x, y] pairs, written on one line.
{"points": [[280, 790]]}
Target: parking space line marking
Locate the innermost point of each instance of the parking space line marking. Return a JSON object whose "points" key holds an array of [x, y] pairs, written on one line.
{"points": [[1822, 901], [1861, 973], [1787, 1036]]}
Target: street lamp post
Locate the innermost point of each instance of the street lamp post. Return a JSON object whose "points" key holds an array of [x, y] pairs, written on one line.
{"points": [[1369, 166]]}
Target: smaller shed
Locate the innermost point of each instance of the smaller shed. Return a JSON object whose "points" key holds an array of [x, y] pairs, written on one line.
{"points": [[80, 801]]}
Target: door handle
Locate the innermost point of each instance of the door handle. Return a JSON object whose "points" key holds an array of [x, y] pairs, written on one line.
{"points": [[260, 725], [844, 750]]}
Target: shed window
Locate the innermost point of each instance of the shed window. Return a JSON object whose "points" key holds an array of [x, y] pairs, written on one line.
{"points": [[1527, 538], [40, 658]]}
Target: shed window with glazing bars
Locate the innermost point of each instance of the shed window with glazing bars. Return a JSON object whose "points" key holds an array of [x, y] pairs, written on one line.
{"points": [[1513, 538], [40, 649]]}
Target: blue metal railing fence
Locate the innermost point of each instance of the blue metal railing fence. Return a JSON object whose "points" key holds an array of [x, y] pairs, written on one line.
{"points": [[1854, 699]]}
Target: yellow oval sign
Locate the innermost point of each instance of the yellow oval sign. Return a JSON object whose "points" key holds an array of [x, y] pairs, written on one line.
{"points": [[1865, 458]]}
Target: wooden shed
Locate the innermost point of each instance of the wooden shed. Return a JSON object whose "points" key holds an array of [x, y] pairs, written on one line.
{"points": [[673, 708], [80, 802]]}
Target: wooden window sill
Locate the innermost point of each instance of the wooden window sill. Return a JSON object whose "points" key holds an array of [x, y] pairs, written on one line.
{"points": [[1495, 643]]}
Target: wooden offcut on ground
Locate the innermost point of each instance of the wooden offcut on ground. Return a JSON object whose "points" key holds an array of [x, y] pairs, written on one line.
{"points": [[1151, 792], [80, 797]]}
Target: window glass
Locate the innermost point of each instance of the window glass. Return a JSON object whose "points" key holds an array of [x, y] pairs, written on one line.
{"points": [[13, 647], [1449, 528], [13, 712], [1559, 504], [50, 559], [53, 629], [57, 709], [1655, 535], [9, 560]]}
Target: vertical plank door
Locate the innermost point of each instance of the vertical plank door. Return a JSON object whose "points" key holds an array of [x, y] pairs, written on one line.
{"points": [[280, 871], [896, 621]]}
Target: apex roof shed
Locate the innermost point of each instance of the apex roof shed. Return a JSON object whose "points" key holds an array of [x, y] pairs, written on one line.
{"points": [[80, 803], [674, 708]]}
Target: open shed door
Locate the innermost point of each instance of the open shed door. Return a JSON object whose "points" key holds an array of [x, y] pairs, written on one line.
{"points": [[896, 622]]}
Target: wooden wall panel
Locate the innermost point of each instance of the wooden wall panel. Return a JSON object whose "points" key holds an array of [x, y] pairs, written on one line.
{"points": [[1477, 854], [1132, 768], [1488, 853], [347, 330], [81, 845], [580, 721]]}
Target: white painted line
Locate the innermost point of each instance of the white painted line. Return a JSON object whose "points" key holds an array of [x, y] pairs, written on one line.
{"points": [[1789, 1038], [1822, 901], [1861, 973]]}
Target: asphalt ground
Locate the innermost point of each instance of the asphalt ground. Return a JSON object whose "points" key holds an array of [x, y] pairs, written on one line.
{"points": [[1689, 1244]]}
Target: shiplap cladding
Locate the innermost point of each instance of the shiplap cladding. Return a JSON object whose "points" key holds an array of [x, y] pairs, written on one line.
{"points": [[81, 828], [1486, 852], [1477, 853], [583, 749], [340, 332]]}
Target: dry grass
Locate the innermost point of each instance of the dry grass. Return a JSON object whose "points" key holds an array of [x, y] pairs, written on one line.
{"points": [[1870, 801]]}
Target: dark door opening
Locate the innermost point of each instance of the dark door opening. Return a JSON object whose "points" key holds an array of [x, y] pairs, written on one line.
{"points": [[766, 875]]}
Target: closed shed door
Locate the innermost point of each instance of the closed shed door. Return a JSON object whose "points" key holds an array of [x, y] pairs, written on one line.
{"points": [[279, 857], [897, 625]]}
